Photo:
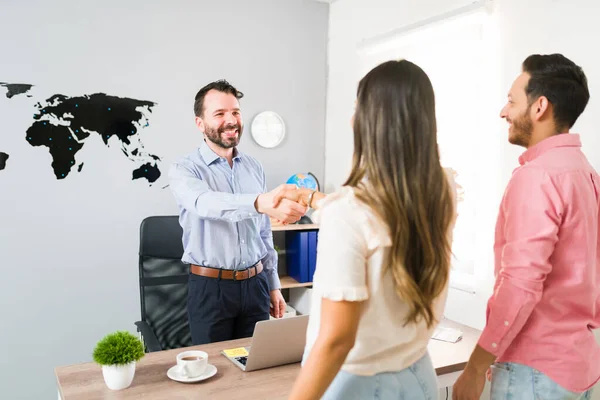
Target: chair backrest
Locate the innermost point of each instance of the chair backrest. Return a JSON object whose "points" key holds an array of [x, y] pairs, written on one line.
{"points": [[163, 281]]}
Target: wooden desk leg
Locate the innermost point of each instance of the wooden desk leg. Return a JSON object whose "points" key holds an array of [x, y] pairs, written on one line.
{"points": [[447, 380]]}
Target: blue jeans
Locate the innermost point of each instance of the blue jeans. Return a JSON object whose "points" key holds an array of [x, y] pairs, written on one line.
{"points": [[517, 381], [417, 382]]}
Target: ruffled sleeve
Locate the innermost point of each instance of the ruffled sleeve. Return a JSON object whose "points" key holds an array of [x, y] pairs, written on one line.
{"points": [[341, 272]]}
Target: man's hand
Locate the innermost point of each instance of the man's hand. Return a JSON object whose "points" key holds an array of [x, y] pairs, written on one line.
{"points": [[469, 385], [293, 193], [286, 211], [277, 303]]}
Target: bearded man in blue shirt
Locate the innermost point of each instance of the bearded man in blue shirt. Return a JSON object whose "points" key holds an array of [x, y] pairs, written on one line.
{"points": [[224, 212]]}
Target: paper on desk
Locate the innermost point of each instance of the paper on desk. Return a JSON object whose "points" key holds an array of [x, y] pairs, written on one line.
{"points": [[238, 352], [447, 334]]}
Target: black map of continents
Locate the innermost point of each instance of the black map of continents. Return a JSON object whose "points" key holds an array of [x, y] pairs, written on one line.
{"points": [[62, 124]]}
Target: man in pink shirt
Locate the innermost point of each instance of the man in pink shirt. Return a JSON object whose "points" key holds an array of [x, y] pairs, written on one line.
{"points": [[538, 337]]}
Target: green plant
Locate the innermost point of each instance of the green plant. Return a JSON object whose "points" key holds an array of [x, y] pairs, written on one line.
{"points": [[118, 348]]}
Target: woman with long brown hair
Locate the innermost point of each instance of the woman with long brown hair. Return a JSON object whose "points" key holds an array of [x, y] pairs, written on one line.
{"points": [[384, 249]]}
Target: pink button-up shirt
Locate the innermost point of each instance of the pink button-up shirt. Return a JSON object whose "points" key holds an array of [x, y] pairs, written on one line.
{"points": [[546, 298]]}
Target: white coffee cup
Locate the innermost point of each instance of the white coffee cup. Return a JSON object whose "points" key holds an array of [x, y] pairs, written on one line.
{"points": [[192, 363]]}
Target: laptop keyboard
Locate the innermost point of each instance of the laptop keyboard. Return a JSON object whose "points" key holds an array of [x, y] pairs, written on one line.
{"points": [[242, 360]]}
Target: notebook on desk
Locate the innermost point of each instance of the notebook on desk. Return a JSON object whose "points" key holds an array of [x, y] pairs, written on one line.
{"points": [[444, 334], [275, 342]]}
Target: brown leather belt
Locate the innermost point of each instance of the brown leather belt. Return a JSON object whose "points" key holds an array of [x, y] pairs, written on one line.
{"points": [[236, 275]]}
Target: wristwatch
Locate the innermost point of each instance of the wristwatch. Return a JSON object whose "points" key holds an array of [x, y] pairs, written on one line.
{"points": [[310, 197]]}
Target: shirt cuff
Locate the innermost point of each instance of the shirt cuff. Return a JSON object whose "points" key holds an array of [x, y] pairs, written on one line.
{"points": [[246, 204], [273, 279], [506, 316], [491, 342]]}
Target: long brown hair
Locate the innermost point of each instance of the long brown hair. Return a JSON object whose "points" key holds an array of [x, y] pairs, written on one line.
{"points": [[396, 171]]}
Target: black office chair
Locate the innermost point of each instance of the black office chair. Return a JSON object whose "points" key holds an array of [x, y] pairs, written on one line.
{"points": [[163, 285]]}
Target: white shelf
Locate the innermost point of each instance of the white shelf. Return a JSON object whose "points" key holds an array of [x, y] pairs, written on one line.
{"points": [[295, 227], [287, 282]]}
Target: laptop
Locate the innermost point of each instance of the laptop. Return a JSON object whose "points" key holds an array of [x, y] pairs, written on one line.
{"points": [[275, 342]]}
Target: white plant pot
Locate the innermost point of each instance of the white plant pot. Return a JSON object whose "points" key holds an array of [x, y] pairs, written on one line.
{"points": [[118, 377]]}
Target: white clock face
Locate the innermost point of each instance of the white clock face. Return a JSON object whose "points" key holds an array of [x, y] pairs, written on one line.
{"points": [[268, 129]]}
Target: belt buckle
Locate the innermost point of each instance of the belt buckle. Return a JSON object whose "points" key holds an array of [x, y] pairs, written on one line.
{"points": [[233, 275]]}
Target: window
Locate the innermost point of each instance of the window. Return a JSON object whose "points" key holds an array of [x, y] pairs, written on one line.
{"points": [[452, 54]]}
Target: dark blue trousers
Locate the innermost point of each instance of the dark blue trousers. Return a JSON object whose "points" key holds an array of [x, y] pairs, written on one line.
{"points": [[223, 309]]}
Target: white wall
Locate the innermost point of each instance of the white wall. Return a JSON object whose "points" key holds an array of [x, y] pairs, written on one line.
{"points": [[68, 249], [517, 29]]}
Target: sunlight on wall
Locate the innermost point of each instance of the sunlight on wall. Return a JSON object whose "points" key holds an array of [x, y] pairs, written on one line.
{"points": [[455, 55]]}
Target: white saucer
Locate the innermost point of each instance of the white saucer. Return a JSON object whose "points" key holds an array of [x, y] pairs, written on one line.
{"points": [[174, 374]]}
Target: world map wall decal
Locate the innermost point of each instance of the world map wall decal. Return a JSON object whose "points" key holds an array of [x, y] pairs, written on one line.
{"points": [[62, 124], [3, 159]]}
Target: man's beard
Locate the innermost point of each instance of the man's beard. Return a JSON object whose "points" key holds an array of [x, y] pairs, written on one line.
{"points": [[215, 135], [522, 128]]}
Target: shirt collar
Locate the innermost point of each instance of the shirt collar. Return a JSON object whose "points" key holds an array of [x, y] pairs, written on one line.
{"points": [[209, 156], [560, 140]]}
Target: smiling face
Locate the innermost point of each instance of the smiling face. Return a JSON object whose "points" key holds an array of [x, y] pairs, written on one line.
{"points": [[221, 119], [517, 112]]}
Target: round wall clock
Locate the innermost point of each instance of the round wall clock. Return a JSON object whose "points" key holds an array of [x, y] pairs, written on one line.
{"points": [[268, 129]]}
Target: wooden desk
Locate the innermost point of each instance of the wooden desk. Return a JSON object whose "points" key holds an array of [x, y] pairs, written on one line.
{"points": [[85, 381]]}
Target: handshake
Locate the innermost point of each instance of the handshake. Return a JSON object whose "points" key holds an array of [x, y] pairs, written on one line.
{"points": [[286, 203]]}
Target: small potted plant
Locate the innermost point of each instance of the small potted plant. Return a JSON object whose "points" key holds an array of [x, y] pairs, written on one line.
{"points": [[118, 353]]}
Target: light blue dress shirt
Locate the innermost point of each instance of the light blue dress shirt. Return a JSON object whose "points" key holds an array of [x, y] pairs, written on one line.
{"points": [[221, 227]]}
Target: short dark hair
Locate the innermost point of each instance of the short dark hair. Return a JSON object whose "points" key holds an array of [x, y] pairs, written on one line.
{"points": [[222, 86], [562, 82]]}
